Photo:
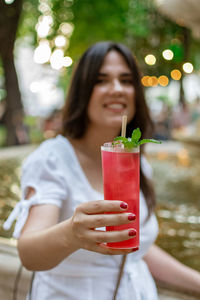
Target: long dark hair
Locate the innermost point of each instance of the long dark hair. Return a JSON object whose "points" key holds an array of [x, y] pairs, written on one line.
{"points": [[75, 117]]}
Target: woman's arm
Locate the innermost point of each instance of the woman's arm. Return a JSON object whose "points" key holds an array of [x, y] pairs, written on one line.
{"points": [[43, 243], [167, 269]]}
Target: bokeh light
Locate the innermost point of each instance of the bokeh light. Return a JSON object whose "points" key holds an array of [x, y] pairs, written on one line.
{"points": [[44, 7], [152, 81], [60, 41], [168, 54], [163, 80], [188, 67], [9, 1], [43, 26], [149, 81], [144, 80], [150, 59], [176, 74], [56, 59], [67, 61], [42, 53], [67, 28]]}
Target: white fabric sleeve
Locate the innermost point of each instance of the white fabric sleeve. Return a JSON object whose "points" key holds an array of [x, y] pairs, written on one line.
{"points": [[42, 172]]}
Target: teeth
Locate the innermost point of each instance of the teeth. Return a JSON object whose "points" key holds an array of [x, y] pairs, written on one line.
{"points": [[115, 106]]}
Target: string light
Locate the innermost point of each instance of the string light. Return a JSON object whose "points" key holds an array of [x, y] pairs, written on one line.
{"points": [[176, 74], [163, 80], [149, 81], [153, 81], [144, 80]]}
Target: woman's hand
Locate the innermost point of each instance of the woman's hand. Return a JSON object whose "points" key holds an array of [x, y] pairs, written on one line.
{"points": [[91, 215], [44, 243]]}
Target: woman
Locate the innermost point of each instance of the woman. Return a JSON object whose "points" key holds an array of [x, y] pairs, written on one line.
{"points": [[62, 194]]}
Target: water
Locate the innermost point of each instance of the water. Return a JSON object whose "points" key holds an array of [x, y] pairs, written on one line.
{"points": [[177, 186], [176, 178]]}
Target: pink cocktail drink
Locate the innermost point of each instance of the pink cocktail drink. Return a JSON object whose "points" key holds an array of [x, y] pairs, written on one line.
{"points": [[121, 169]]}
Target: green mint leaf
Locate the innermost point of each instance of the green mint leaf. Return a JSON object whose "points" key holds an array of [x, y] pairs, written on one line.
{"points": [[121, 138], [136, 135], [129, 145], [126, 141], [144, 141], [134, 140]]}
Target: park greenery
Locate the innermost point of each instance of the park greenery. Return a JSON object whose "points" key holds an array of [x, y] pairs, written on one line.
{"points": [[68, 27]]}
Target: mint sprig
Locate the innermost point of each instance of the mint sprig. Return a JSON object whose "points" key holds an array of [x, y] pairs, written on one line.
{"points": [[135, 141]]}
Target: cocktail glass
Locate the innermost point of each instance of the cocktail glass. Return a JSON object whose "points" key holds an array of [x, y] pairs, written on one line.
{"points": [[121, 180]]}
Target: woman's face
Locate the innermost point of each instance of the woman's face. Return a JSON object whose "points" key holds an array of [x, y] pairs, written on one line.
{"points": [[114, 94]]}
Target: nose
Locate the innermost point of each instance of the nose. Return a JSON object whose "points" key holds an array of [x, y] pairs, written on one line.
{"points": [[116, 86]]}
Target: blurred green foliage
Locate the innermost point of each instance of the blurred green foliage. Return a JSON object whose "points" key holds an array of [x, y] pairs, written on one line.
{"points": [[2, 135], [9, 190], [136, 23]]}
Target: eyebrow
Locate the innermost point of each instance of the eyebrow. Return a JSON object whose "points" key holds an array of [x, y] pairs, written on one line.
{"points": [[121, 75]]}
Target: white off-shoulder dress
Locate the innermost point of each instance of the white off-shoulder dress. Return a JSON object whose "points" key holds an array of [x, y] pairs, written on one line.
{"points": [[53, 170]]}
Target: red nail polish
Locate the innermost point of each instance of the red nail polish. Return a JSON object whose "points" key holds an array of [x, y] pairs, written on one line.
{"points": [[131, 217], [123, 205], [135, 249], [132, 232]]}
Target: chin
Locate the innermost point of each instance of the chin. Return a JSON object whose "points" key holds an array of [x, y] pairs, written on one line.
{"points": [[115, 122]]}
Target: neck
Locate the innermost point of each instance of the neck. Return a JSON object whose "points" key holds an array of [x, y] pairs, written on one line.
{"points": [[94, 138]]}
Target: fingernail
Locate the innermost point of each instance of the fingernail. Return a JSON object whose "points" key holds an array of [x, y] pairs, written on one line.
{"points": [[131, 217], [123, 205], [135, 249], [132, 232]]}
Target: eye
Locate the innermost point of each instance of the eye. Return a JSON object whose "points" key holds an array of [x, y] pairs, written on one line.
{"points": [[100, 80], [127, 81]]}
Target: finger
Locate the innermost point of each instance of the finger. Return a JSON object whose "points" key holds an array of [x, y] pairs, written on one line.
{"points": [[101, 206], [101, 220], [112, 251], [103, 249], [111, 236]]}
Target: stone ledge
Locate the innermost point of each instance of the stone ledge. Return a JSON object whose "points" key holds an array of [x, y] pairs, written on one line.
{"points": [[9, 268]]}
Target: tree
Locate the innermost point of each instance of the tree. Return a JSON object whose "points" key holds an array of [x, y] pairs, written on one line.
{"points": [[138, 24], [9, 19], [133, 22]]}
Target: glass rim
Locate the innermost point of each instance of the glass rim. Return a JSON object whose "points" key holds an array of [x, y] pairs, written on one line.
{"points": [[111, 148]]}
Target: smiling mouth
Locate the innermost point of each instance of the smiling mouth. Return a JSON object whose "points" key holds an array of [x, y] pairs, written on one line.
{"points": [[115, 106]]}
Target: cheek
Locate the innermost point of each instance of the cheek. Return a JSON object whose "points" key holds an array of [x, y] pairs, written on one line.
{"points": [[131, 92], [93, 107], [98, 92]]}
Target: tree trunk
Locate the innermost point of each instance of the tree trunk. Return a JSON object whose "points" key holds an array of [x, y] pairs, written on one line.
{"points": [[181, 93], [13, 118]]}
